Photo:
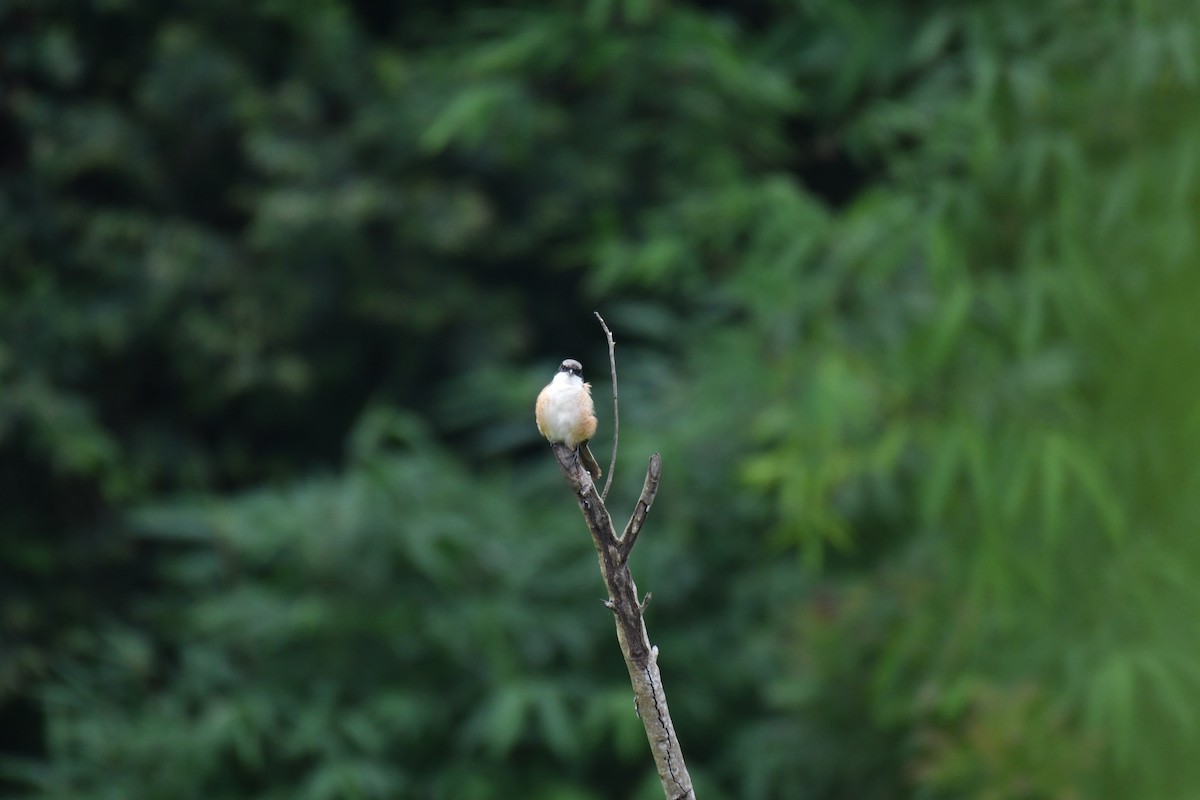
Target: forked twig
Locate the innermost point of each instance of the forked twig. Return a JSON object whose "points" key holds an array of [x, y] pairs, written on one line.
{"points": [[649, 491], [612, 363]]}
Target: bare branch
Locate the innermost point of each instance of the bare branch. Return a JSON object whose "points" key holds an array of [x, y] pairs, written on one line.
{"points": [[649, 491], [641, 658], [612, 362]]}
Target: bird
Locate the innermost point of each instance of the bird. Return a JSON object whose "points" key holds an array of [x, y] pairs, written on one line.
{"points": [[565, 413]]}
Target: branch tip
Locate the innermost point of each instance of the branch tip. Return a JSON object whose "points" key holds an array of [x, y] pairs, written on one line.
{"points": [[612, 363], [649, 491]]}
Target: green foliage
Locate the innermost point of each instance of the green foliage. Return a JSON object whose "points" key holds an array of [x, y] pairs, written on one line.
{"points": [[349, 638], [902, 292]]}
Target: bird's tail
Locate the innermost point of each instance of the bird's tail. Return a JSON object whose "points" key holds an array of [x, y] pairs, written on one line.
{"points": [[589, 461]]}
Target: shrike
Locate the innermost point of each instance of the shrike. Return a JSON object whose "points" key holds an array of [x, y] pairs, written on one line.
{"points": [[565, 413]]}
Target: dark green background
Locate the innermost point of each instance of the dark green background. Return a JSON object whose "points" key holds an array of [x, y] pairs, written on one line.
{"points": [[904, 292]]}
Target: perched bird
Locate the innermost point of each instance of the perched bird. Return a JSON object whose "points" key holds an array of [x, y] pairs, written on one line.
{"points": [[565, 413]]}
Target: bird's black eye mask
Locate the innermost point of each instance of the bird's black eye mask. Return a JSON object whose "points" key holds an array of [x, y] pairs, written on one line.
{"points": [[571, 367]]}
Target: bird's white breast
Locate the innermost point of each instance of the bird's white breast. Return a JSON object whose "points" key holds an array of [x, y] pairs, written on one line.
{"points": [[564, 406]]}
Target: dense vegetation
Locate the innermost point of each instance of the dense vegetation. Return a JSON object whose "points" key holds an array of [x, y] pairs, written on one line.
{"points": [[904, 292]]}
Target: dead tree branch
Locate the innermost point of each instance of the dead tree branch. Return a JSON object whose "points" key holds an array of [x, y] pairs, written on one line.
{"points": [[649, 490], [641, 658]]}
